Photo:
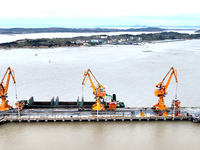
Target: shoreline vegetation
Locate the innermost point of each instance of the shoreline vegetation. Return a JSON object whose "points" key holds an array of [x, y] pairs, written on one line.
{"points": [[123, 39]]}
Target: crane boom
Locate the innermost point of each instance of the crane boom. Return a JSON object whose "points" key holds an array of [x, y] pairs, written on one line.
{"points": [[98, 91], [3, 89], [173, 72], [162, 91]]}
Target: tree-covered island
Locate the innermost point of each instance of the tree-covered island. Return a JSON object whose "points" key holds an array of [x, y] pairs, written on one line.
{"points": [[125, 39]]}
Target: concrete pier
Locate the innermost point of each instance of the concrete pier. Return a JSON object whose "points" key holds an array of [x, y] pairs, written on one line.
{"points": [[70, 115]]}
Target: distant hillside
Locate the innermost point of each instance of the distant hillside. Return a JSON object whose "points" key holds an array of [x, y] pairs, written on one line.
{"points": [[50, 30]]}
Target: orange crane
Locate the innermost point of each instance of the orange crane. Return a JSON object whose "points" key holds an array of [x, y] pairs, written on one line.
{"points": [[98, 91], [162, 89], [3, 89]]}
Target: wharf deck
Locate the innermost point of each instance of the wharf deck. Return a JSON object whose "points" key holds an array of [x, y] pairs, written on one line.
{"points": [[122, 114]]}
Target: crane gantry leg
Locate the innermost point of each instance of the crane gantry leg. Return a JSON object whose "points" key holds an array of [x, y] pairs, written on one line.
{"points": [[98, 105], [160, 105]]}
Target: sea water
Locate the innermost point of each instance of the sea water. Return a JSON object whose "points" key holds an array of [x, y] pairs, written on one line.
{"points": [[130, 72]]}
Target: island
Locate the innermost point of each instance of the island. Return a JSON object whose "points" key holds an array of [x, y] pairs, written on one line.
{"points": [[123, 39]]}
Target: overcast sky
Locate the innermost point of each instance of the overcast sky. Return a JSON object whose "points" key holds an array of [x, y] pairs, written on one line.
{"points": [[18, 12]]}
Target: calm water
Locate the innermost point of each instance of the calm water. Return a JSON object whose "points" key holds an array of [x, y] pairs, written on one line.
{"points": [[102, 135], [129, 71]]}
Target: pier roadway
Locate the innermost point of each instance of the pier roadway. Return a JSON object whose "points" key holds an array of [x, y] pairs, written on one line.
{"points": [[122, 114]]}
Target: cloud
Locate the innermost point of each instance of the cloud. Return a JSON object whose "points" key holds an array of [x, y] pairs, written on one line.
{"points": [[94, 21], [80, 8], [46, 13]]}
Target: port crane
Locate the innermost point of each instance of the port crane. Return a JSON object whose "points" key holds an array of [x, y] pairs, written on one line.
{"points": [[162, 89], [98, 90], [3, 89]]}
